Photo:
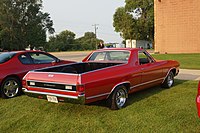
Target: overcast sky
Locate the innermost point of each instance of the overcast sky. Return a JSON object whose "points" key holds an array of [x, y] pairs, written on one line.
{"points": [[78, 16]]}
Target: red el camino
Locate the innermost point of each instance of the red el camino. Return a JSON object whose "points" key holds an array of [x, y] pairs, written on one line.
{"points": [[104, 74], [198, 100], [14, 65]]}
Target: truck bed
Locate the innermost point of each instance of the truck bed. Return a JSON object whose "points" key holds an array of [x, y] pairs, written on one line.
{"points": [[78, 68]]}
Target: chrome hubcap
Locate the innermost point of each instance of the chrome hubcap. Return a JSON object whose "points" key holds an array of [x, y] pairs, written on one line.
{"points": [[11, 88], [120, 98], [170, 80]]}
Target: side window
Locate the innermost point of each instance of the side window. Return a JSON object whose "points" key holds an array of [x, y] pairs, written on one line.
{"points": [[23, 58], [40, 58], [144, 58]]}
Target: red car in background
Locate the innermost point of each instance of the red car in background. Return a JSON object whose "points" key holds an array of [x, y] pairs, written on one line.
{"points": [[14, 65], [198, 100]]}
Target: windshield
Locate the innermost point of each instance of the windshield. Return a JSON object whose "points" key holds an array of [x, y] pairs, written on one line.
{"points": [[110, 56], [4, 57]]}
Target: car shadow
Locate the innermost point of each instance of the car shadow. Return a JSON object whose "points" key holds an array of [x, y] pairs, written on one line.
{"points": [[140, 95]]}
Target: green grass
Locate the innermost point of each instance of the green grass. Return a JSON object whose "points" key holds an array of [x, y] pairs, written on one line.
{"points": [[152, 110], [187, 61]]}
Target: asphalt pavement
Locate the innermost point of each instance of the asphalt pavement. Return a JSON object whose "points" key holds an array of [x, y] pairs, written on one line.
{"points": [[184, 74], [187, 74]]}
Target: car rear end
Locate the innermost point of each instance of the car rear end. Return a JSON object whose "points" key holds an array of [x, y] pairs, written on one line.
{"points": [[198, 100], [54, 87]]}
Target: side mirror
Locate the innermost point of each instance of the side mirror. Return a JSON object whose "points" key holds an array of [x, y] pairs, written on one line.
{"points": [[57, 60]]}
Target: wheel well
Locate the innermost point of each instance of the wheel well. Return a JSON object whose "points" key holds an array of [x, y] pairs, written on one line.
{"points": [[127, 85], [174, 71], [14, 76]]}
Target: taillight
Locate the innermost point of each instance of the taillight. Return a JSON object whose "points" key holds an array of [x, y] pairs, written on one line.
{"points": [[80, 88], [24, 83]]}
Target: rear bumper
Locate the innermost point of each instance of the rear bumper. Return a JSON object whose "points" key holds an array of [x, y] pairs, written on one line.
{"points": [[80, 99], [198, 104]]}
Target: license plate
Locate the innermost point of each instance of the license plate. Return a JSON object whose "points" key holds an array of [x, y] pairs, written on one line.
{"points": [[52, 99]]}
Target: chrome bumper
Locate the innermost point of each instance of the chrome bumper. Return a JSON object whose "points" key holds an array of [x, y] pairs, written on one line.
{"points": [[80, 99]]}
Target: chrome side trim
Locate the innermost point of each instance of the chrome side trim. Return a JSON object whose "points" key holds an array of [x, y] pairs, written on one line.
{"points": [[146, 83], [126, 82], [100, 95], [50, 82], [51, 89], [46, 93]]}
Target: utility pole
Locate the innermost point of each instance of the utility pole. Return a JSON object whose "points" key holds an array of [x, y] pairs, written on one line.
{"points": [[95, 32]]}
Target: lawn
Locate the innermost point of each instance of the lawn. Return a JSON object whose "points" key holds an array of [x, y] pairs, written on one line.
{"points": [[152, 110], [187, 61]]}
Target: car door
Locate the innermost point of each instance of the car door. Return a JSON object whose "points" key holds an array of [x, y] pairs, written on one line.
{"points": [[25, 64], [151, 70], [41, 60]]}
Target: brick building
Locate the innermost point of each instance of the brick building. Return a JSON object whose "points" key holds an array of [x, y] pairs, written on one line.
{"points": [[177, 26]]}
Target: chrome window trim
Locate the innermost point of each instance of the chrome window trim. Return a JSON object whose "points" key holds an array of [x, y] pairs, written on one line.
{"points": [[148, 55], [107, 51]]}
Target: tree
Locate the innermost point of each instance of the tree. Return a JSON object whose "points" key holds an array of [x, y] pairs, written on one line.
{"points": [[23, 23], [88, 41], [65, 41], [135, 20], [62, 41], [124, 23]]}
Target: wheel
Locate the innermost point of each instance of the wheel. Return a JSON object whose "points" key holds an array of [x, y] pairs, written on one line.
{"points": [[10, 87], [169, 81], [118, 98]]}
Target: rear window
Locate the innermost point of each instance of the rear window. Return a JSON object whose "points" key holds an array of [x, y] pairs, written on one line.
{"points": [[110, 56], [4, 57]]}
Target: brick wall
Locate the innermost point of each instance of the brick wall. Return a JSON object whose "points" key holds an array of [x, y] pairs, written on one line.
{"points": [[177, 26]]}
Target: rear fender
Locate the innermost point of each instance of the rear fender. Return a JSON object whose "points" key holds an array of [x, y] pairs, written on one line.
{"points": [[125, 83]]}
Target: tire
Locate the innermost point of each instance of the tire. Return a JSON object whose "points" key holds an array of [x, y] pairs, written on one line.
{"points": [[118, 98], [10, 87], [169, 81]]}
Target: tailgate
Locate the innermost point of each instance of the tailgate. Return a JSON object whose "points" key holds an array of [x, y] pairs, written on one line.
{"points": [[60, 78], [47, 85], [58, 83]]}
